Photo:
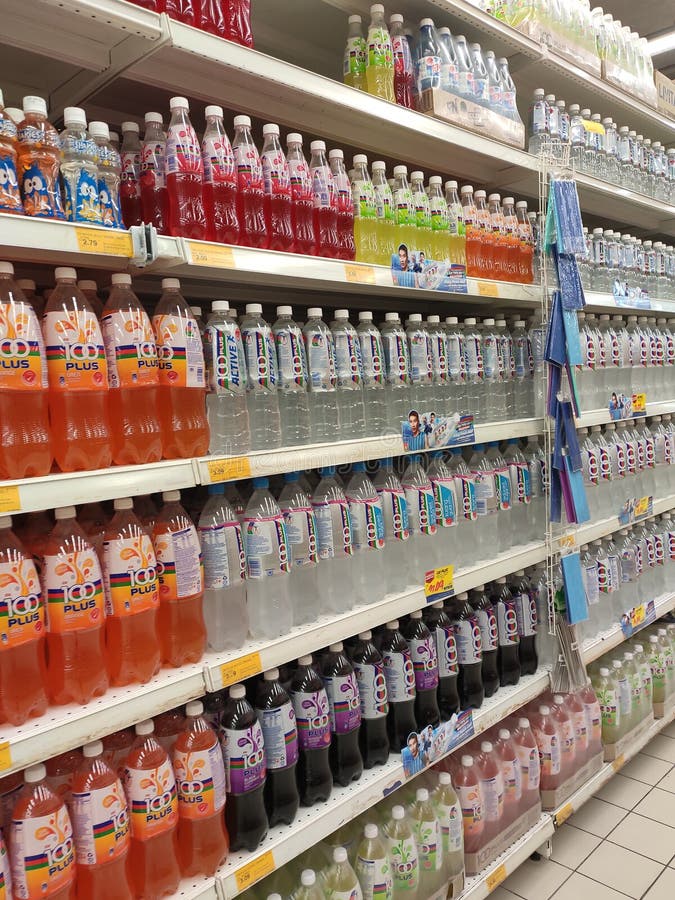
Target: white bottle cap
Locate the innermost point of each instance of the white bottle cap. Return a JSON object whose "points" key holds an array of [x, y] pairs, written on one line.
{"points": [[521, 204], [470, 321], [308, 876], [480, 195], [488, 322], [237, 692], [400, 170], [305, 660], [176, 103], [336, 648], [352, 20], [170, 496], [63, 272], [6, 268], [435, 179], [284, 310], [132, 126], [95, 748], [242, 120], [194, 708], [379, 166], [523, 722], [495, 197], [486, 747], [339, 855], [123, 503], [417, 176], [146, 727], [451, 320], [294, 138], [392, 626], [5, 521], [466, 189], [504, 734], [341, 314], [508, 201], [444, 778], [391, 317], [365, 316], [317, 145], [558, 699], [544, 710], [215, 111], [604, 673], [15, 114], [336, 153], [74, 115], [360, 159], [196, 310], [64, 512], [363, 636], [422, 795], [271, 128], [116, 278], [415, 317], [34, 774], [398, 813], [370, 831], [154, 117], [467, 760], [170, 283], [99, 130], [377, 8], [271, 675], [417, 614], [254, 309], [37, 105], [219, 306]]}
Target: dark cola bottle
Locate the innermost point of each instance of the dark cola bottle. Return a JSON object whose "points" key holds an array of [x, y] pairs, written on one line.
{"points": [[400, 679], [369, 671], [345, 715], [508, 662], [425, 665], [277, 720], [439, 624], [489, 636], [526, 617], [469, 653], [312, 716]]}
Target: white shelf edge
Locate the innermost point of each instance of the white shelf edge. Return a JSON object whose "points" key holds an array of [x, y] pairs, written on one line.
{"points": [[602, 416], [612, 638], [592, 531], [601, 301]]}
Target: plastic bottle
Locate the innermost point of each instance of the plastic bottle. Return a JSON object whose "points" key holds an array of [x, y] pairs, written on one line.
{"points": [[302, 547], [372, 866], [238, 21], [324, 193], [302, 210], [549, 743], [250, 186], [116, 747], [312, 714], [489, 637], [469, 652], [75, 641], [399, 676], [440, 626], [577, 711], [365, 223], [386, 226], [446, 503], [335, 542], [380, 61], [262, 379], [220, 180], [10, 196], [79, 171], [39, 155], [355, 55], [277, 186], [570, 760], [26, 443], [607, 692], [154, 196], [427, 831], [108, 175], [40, 831], [491, 781], [344, 207], [511, 775], [345, 715], [526, 618], [184, 174], [150, 787], [277, 719], [78, 378], [467, 785], [182, 10], [374, 376], [367, 522], [449, 813], [422, 646], [130, 188], [404, 70], [403, 855], [210, 16], [422, 216], [340, 878], [226, 367], [101, 829], [428, 58], [168, 725], [530, 765], [372, 688], [292, 379], [180, 622], [397, 360], [508, 661], [592, 709], [404, 212], [323, 404]]}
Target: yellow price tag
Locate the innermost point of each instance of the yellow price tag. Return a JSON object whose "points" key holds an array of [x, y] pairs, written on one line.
{"points": [[240, 669], [641, 507], [359, 274], [494, 879], [639, 403], [229, 469], [10, 501], [619, 762], [488, 289], [564, 814], [438, 582], [108, 243], [638, 615], [568, 542], [217, 255], [254, 871], [5, 757]]}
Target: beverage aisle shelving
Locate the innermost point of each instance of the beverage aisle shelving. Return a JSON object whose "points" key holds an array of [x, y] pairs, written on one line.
{"points": [[602, 416], [607, 640]]}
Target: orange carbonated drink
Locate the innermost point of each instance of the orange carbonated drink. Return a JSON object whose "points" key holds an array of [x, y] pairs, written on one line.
{"points": [[133, 376], [512, 240], [131, 598], [471, 231], [78, 378], [500, 244], [526, 244], [73, 590], [486, 253]]}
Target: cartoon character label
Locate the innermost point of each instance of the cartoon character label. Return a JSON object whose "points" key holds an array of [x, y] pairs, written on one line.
{"points": [[130, 573], [223, 555], [425, 663], [73, 587], [179, 350], [101, 824], [312, 715], [43, 855], [130, 349], [179, 563], [280, 735], [39, 183], [266, 546], [344, 703], [76, 358], [10, 197], [372, 689], [334, 527], [81, 192], [200, 782], [153, 800]]}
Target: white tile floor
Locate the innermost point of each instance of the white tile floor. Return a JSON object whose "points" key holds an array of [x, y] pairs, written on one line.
{"points": [[620, 844]]}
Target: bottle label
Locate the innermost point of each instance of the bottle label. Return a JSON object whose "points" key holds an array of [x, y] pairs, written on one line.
{"points": [[526, 614], [469, 646], [530, 767], [355, 56], [347, 358], [493, 797], [223, 555], [364, 200], [421, 509], [280, 735], [38, 177], [549, 752], [467, 486], [131, 169], [183, 153], [429, 845], [490, 361], [591, 469], [266, 546], [312, 714], [507, 623], [5, 865], [200, 781], [374, 877], [244, 756], [609, 707], [486, 494], [367, 524], [455, 357], [580, 726], [445, 501], [225, 357], [395, 511], [22, 615], [473, 361], [420, 359], [43, 855], [152, 799], [399, 675], [218, 160], [301, 535], [450, 820], [404, 865], [397, 357], [334, 527], [75, 353], [521, 489], [179, 563], [343, 192], [503, 487], [180, 353], [130, 573], [344, 703], [23, 362], [153, 165], [130, 349], [73, 587], [291, 356], [372, 358], [260, 356], [10, 197], [471, 804], [513, 780], [276, 175], [446, 651], [425, 662], [101, 824], [324, 192], [321, 360], [372, 689], [379, 48], [249, 169], [489, 632], [82, 203]]}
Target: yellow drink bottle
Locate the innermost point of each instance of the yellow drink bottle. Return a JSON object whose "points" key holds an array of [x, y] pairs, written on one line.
{"points": [[422, 214], [438, 208], [354, 68], [365, 211], [386, 225], [380, 59], [404, 211]]}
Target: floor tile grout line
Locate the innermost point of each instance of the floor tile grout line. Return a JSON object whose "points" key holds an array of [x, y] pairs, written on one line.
{"points": [[595, 881], [571, 871], [642, 896], [634, 852]]}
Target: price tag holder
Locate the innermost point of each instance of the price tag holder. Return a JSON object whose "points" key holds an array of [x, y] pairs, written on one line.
{"points": [[487, 289], [564, 814], [10, 501], [219, 256], [619, 762], [230, 469], [240, 669], [357, 274], [494, 879], [5, 756], [438, 584], [255, 870], [105, 242], [637, 616], [639, 404]]}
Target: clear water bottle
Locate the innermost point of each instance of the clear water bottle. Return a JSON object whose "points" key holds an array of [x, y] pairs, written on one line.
{"points": [[262, 379], [368, 529], [507, 368], [503, 491], [323, 404], [491, 408], [538, 130], [447, 513], [536, 464], [109, 175], [226, 405], [293, 379], [456, 369], [374, 377], [521, 492], [396, 526], [303, 548], [473, 367], [439, 365], [523, 403], [349, 372], [421, 374], [79, 169], [336, 545], [467, 513], [537, 341], [397, 362], [487, 503]]}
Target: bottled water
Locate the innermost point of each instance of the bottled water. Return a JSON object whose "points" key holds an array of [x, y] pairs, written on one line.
{"points": [[262, 379], [368, 530], [503, 491], [323, 406], [396, 527], [523, 406], [456, 365], [521, 492], [336, 544], [226, 367], [349, 372], [374, 377], [421, 517], [491, 407], [293, 379], [421, 374], [538, 125], [447, 513], [537, 341], [473, 368], [439, 365], [467, 511], [397, 362], [487, 504], [301, 536], [506, 368], [109, 175]]}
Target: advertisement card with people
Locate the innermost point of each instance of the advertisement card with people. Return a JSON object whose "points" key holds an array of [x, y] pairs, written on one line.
{"points": [[412, 268], [427, 747], [432, 430]]}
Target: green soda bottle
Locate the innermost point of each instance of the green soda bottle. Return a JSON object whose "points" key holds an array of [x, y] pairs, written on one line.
{"points": [[429, 843], [341, 882], [372, 866], [405, 864]]}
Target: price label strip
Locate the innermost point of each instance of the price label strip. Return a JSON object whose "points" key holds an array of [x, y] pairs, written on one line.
{"points": [[494, 879], [219, 256], [240, 669], [356, 274], [488, 289], [5, 756], [229, 469], [438, 584], [10, 501], [564, 814], [105, 242], [255, 870]]}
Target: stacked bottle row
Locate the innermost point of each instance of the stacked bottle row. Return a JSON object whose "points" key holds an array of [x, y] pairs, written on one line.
{"points": [[396, 65], [623, 356], [629, 682], [637, 266], [600, 148], [230, 19]]}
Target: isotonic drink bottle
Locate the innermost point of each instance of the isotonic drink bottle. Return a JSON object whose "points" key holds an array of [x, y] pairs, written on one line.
{"points": [[345, 205], [72, 581], [10, 196], [100, 828], [447, 511], [324, 193], [41, 829], [262, 379], [374, 376], [386, 225], [355, 55], [323, 404], [577, 711], [182, 382], [344, 707], [530, 766], [511, 776], [29, 288], [250, 186], [303, 548], [335, 541], [276, 715], [220, 180], [131, 598], [79, 169], [225, 610], [266, 543], [427, 831], [226, 406], [22, 654], [368, 530], [312, 715], [200, 783], [380, 61], [403, 855], [130, 188], [277, 181], [422, 215], [440, 221], [109, 175], [449, 813], [365, 211], [340, 878], [26, 443], [90, 290], [467, 785], [457, 228], [133, 376], [372, 866], [400, 681], [150, 787], [404, 212], [440, 626], [489, 635], [421, 517], [349, 374], [168, 726], [38, 162], [396, 528], [372, 686], [154, 196], [293, 379], [184, 174], [422, 646], [180, 622], [78, 378], [302, 210]]}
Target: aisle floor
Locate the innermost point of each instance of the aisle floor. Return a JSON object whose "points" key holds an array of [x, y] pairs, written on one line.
{"points": [[620, 844]]}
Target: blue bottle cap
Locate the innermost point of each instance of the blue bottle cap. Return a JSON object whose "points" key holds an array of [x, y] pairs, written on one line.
{"points": [[290, 477], [327, 471], [260, 483], [216, 489], [359, 467], [386, 463]]}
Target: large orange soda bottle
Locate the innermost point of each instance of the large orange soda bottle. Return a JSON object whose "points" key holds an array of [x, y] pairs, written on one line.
{"points": [[101, 829], [133, 376], [131, 598], [200, 779], [90, 290], [39, 162], [526, 240], [60, 773], [78, 378], [512, 240], [182, 634], [150, 787], [182, 379], [184, 174], [500, 245], [23, 665], [25, 449], [472, 232], [10, 196], [72, 585], [41, 842]]}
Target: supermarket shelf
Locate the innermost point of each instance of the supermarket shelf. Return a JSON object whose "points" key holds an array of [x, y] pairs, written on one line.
{"points": [[612, 638], [602, 416], [196, 889], [592, 531], [312, 825], [598, 302]]}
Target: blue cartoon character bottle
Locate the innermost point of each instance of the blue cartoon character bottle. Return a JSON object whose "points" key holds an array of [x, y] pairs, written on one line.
{"points": [[79, 169], [10, 198], [109, 175]]}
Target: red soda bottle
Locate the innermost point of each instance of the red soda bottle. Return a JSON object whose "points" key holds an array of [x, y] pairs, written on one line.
{"points": [[181, 10], [325, 202], [211, 17], [302, 211], [548, 740], [154, 196], [511, 774], [530, 766], [470, 797], [250, 186], [154, 5], [130, 187], [184, 175], [277, 180], [238, 16], [220, 180], [492, 789], [568, 750], [345, 205]]}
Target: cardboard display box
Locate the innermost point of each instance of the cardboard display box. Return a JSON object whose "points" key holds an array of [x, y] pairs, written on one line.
{"points": [[612, 751], [475, 862], [553, 799], [459, 111], [661, 710]]}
